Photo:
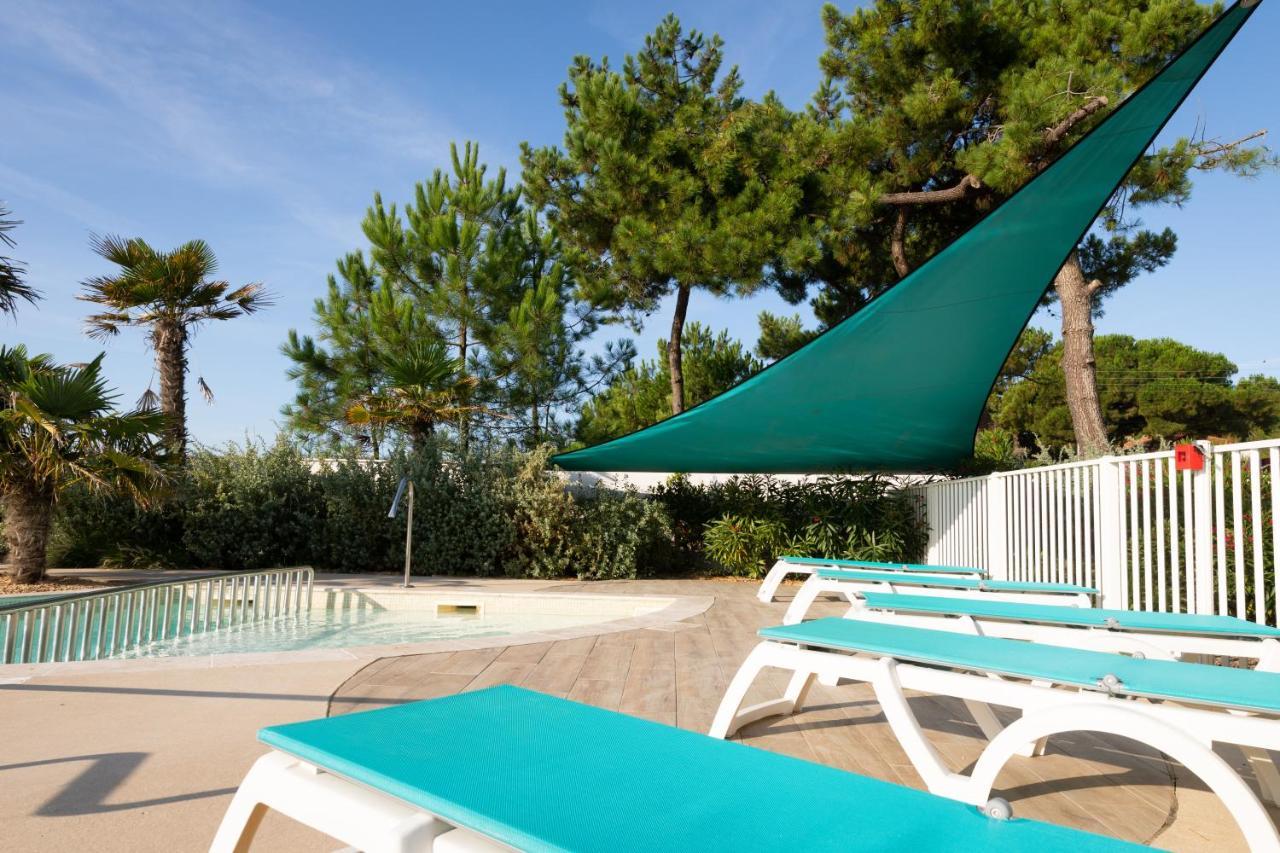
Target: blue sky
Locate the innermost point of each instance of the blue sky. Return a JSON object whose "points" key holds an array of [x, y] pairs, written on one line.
{"points": [[265, 129]]}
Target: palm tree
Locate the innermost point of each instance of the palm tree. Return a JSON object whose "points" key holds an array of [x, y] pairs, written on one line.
{"points": [[424, 387], [169, 293], [12, 287], [58, 428]]}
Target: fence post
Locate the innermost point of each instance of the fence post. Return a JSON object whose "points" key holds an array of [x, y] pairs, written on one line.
{"points": [[997, 532], [1111, 579], [1202, 527]]}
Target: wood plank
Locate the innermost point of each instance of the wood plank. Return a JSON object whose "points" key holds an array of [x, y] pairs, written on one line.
{"points": [[469, 662], [527, 653], [602, 694], [556, 674], [650, 693]]}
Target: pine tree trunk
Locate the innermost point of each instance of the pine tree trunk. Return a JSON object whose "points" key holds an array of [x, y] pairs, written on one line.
{"points": [[674, 361], [533, 410], [464, 419], [1079, 368], [897, 244], [27, 517], [170, 341]]}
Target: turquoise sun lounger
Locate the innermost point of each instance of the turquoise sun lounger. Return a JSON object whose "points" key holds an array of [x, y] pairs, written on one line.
{"points": [[799, 565], [1057, 688], [1165, 635], [534, 772], [1115, 674], [851, 583], [874, 565], [1091, 617]]}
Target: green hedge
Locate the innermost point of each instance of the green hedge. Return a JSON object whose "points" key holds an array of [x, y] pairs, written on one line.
{"points": [[489, 514], [741, 525], [256, 507]]}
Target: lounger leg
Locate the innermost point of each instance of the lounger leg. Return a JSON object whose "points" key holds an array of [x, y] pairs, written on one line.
{"points": [[1199, 758], [804, 599], [937, 778], [1269, 656], [1264, 770], [769, 587], [731, 716], [357, 816], [247, 809]]}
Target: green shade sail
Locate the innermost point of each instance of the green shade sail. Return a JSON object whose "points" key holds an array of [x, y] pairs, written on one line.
{"points": [[900, 385]]}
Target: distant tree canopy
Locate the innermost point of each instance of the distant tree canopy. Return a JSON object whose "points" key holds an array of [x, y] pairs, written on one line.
{"points": [[1155, 388], [638, 396]]}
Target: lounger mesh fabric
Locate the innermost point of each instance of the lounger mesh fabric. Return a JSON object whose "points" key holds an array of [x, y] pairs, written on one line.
{"points": [[540, 773], [1097, 617], [873, 565], [899, 386], [1192, 682], [952, 582]]}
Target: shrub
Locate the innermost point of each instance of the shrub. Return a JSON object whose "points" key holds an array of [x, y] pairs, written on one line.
{"points": [[744, 546], [252, 508], [588, 534], [744, 523], [92, 530]]}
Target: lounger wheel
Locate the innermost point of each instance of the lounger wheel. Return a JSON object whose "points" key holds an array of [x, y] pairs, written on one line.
{"points": [[998, 808]]}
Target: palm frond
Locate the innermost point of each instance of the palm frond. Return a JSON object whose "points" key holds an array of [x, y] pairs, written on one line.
{"points": [[12, 286], [205, 390], [71, 393], [251, 298], [58, 427], [149, 401]]}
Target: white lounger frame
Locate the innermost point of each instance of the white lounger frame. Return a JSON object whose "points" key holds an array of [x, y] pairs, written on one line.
{"points": [[782, 568], [850, 587], [358, 816], [1185, 733], [1169, 645]]}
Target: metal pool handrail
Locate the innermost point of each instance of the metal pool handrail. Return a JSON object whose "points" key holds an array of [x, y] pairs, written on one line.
{"points": [[96, 625]]}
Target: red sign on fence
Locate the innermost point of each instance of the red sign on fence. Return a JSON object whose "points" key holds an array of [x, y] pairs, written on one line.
{"points": [[1187, 457]]}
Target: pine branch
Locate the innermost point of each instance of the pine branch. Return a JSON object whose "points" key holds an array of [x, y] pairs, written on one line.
{"points": [[966, 185], [1210, 153], [1053, 135], [950, 194]]}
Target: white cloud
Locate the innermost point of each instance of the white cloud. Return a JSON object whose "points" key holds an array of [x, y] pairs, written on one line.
{"points": [[224, 94]]}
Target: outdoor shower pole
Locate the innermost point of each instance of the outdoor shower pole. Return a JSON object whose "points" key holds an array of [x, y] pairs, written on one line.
{"points": [[405, 483], [408, 538]]}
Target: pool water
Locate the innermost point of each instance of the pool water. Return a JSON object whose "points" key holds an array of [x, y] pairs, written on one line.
{"points": [[389, 618]]}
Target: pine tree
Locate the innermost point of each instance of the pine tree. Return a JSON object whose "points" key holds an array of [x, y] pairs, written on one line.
{"points": [[669, 180], [536, 361], [465, 266], [448, 253], [360, 322], [934, 110], [637, 397]]}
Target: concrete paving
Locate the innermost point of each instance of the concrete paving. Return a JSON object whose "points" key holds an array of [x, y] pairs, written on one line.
{"points": [[139, 760]]}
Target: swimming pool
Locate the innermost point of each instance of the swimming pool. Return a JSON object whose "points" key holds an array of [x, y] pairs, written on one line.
{"points": [[341, 618]]}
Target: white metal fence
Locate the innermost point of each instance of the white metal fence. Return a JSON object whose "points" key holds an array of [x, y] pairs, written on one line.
{"points": [[1148, 536]]}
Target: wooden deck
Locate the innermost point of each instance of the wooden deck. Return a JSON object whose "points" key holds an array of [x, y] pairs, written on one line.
{"points": [[676, 674]]}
